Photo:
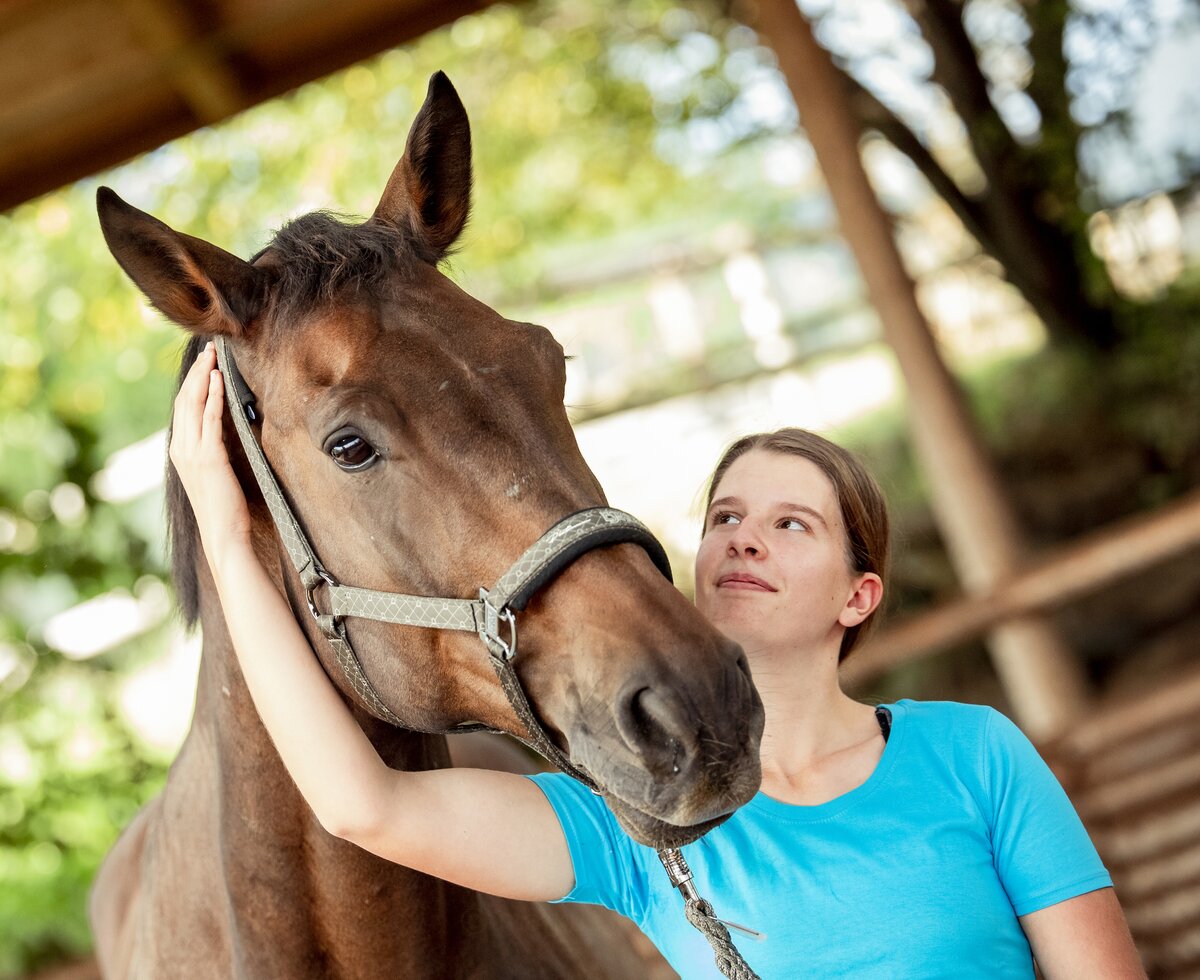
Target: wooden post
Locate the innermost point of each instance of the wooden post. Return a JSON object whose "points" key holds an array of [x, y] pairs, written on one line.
{"points": [[1040, 674]]}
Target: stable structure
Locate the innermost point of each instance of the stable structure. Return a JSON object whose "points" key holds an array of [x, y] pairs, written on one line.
{"points": [[87, 84]]}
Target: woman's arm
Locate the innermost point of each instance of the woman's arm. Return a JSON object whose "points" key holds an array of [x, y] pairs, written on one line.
{"points": [[1085, 936], [494, 832]]}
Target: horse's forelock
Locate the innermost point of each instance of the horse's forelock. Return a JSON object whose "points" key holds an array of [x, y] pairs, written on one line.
{"points": [[321, 254]]}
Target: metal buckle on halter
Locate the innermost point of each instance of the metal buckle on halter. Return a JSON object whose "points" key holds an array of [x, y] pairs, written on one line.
{"points": [[310, 588], [489, 629]]}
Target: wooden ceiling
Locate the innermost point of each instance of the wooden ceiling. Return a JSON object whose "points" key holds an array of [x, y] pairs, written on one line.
{"points": [[87, 84]]}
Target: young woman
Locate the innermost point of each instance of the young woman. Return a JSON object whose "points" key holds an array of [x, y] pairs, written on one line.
{"points": [[913, 840]]}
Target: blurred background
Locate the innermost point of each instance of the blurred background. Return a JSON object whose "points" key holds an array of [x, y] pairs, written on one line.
{"points": [[1001, 318]]}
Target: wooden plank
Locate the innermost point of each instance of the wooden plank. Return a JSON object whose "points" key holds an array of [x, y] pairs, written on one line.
{"points": [[1171, 913], [1177, 958], [1167, 705], [1140, 751], [205, 79], [1150, 837], [39, 164], [62, 61], [1147, 788], [1156, 875]]}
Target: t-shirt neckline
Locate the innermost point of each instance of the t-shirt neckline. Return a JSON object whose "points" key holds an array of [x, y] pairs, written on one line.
{"points": [[799, 813]]}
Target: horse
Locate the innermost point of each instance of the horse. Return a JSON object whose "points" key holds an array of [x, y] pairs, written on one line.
{"points": [[422, 440]]}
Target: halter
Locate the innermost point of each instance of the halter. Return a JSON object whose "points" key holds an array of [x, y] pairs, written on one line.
{"points": [[572, 536], [491, 616]]}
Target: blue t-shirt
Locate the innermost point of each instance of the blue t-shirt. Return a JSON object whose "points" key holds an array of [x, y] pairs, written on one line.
{"points": [[919, 872]]}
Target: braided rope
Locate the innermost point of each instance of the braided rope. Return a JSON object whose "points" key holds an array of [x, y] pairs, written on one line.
{"points": [[701, 915], [729, 961]]}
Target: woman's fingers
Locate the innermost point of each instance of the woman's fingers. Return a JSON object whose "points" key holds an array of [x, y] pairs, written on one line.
{"points": [[213, 410], [198, 453], [188, 415]]}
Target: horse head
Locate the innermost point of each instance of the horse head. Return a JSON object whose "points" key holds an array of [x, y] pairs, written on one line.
{"points": [[421, 439]]}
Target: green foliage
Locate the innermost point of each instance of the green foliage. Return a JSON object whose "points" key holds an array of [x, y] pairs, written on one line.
{"points": [[73, 776]]}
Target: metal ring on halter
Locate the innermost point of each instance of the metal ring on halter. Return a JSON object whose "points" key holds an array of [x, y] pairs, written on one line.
{"points": [[489, 629], [311, 588]]}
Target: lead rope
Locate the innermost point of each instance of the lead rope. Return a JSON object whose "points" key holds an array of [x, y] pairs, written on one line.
{"points": [[701, 915]]}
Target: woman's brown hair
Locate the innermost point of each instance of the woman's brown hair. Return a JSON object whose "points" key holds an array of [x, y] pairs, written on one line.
{"points": [[864, 509]]}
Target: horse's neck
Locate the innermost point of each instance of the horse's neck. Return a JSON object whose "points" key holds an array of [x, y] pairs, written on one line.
{"points": [[273, 850]]}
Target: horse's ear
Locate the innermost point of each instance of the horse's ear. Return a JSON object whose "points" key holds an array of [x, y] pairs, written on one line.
{"points": [[429, 193], [201, 287]]}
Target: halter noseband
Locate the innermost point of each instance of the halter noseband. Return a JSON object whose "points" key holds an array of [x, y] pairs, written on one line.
{"points": [[492, 616]]}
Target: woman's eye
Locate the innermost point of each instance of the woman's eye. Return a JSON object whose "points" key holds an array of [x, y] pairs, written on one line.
{"points": [[724, 517], [792, 524], [353, 452]]}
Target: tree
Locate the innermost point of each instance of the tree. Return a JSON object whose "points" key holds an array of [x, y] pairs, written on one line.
{"points": [[1022, 190]]}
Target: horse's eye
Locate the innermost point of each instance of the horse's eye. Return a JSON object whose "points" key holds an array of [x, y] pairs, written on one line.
{"points": [[352, 452]]}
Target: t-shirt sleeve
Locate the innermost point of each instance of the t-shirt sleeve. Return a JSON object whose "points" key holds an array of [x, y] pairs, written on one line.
{"points": [[1042, 852], [609, 871]]}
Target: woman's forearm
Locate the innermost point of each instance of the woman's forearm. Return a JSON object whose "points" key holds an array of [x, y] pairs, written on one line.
{"points": [[406, 817], [331, 761]]}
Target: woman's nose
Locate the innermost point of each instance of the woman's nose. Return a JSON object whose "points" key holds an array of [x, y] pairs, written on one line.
{"points": [[745, 542]]}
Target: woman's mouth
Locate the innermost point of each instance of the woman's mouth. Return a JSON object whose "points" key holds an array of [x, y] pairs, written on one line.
{"points": [[744, 581]]}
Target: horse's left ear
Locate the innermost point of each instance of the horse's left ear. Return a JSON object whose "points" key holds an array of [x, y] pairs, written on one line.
{"points": [[429, 193]]}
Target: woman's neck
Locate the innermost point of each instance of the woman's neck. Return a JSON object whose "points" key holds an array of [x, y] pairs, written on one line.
{"points": [[816, 737]]}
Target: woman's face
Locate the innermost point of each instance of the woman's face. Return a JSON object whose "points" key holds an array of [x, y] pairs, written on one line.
{"points": [[772, 572]]}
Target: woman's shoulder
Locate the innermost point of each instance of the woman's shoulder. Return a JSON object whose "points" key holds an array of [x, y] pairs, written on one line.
{"points": [[939, 715], [965, 734]]}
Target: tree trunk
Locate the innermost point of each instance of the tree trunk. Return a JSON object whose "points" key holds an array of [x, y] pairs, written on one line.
{"points": [[1030, 206]]}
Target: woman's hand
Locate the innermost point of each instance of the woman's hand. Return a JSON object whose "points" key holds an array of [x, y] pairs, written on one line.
{"points": [[198, 453]]}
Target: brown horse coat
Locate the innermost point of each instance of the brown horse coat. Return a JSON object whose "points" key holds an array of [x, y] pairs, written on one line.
{"points": [[351, 329]]}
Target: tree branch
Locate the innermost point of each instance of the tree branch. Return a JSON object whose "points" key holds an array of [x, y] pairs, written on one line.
{"points": [[879, 117]]}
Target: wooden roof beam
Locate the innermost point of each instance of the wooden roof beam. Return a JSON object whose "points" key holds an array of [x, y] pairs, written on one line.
{"points": [[206, 81]]}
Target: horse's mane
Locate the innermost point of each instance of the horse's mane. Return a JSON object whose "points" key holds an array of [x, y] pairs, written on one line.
{"points": [[319, 257], [182, 534]]}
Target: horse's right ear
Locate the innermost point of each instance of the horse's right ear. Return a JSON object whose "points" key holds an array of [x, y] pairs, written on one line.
{"points": [[201, 287], [429, 192]]}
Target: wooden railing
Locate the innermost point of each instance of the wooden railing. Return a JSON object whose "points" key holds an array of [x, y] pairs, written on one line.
{"points": [[1133, 771], [1075, 570]]}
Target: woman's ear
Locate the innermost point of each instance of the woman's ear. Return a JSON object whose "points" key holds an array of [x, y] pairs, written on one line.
{"points": [[865, 599]]}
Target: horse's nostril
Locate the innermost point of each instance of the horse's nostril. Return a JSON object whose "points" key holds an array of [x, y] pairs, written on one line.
{"points": [[648, 712], [655, 727]]}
